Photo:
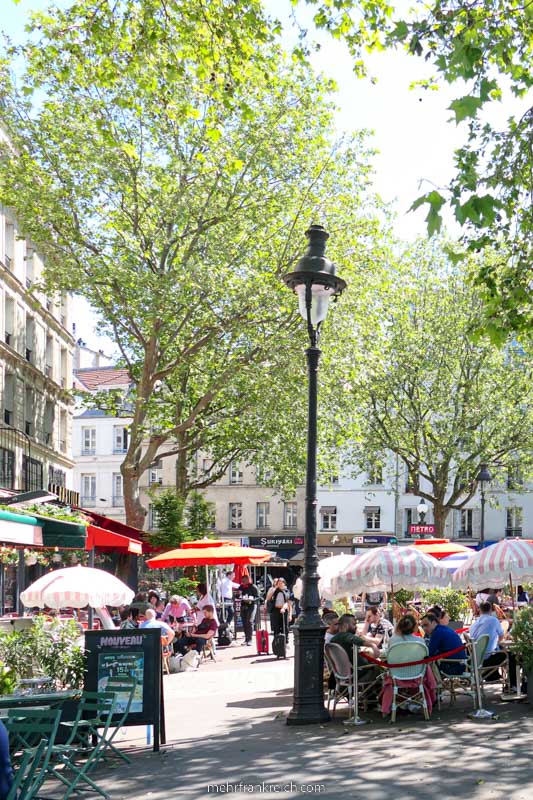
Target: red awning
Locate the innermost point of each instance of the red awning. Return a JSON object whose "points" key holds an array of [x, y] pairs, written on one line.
{"points": [[108, 540]]}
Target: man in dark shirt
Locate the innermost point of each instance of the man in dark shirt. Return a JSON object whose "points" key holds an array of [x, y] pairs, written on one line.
{"points": [[249, 597], [201, 634], [441, 640], [347, 637]]}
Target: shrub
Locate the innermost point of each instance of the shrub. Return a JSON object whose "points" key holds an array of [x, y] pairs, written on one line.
{"points": [[522, 633], [453, 601]]}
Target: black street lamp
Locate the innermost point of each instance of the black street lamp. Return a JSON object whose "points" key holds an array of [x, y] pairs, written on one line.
{"points": [[422, 510], [315, 283], [483, 477]]}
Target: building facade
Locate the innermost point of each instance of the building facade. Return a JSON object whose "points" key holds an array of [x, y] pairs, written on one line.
{"points": [[36, 351]]}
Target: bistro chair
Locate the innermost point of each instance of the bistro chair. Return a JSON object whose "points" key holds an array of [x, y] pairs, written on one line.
{"points": [[27, 778], [124, 690], [408, 682], [209, 650], [467, 679], [341, 667]]}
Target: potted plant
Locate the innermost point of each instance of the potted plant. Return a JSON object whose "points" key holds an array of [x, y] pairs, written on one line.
{"points": [[522, 633], [451, 600]]}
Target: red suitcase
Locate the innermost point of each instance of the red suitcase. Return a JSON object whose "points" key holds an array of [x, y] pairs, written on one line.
{"points": [[261, 640]]}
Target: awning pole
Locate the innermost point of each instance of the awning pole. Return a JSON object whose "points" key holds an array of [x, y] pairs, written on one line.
{"points": [[90, 615], [21, 580]]}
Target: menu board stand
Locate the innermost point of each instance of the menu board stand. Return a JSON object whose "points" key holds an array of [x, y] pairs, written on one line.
{"points": [[129, 653]]}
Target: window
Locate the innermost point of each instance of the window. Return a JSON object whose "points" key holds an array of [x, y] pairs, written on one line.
{"points": [[30, 340], [63, 431], [32, 474], [207, 465], [49, 358], [467, 518], [261, 517], [7, 468], [375, 474], [88, 490], [334, 480], [235, 473], [153, 518], [48, 420], [64, 370], [515, 518], [29, 413], [9, 245], [118, 489], [9, 397], [88, 441], [9, 321], [120, 439], [329, 518], [235, 515], [373, 518], [56, 477], [408, 520], [155, 476], [290, 516]]}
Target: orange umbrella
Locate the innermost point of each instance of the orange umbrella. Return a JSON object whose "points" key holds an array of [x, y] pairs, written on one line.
{"points": [[441, 548], [209, 543], [204, 556]]}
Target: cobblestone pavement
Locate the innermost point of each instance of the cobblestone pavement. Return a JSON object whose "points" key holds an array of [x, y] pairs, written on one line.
{"points": [[226, 734]]}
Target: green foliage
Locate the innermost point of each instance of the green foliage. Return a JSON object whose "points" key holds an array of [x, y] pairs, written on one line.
{"points": [[48, 510], [191, 157], [47, 648], [183, 587], [523, 637], [421, 387], [168, 511], [403, 597], [8, 555], [200, 515], [451, 600], [7, 681], [487, 47]]}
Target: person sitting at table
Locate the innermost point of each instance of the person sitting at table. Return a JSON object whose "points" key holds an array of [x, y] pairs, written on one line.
{"points": [[331, 618], [405, 630], [152, 622], [441, 614], [441, 640], [376, 625], [204, 599], [487, 624], [347, 637], [126, 618], [176, 609], [200, 634]]}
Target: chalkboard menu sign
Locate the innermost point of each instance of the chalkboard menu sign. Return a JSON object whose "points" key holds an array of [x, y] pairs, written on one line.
{"points": [[112, 656]]}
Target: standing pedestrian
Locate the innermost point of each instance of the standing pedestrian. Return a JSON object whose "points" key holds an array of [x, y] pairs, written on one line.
{"points": [[279, 607], [226, 585], [249, 598]]}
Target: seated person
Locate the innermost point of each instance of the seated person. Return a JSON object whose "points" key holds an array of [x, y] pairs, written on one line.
{"points": [[200, 634], [347, 637], [441, 640], [522, 597], [376, 625], [152, 622], [405, 631], [331, 618], [441, 614], [126, 618], [494, 657], [176, 609]]}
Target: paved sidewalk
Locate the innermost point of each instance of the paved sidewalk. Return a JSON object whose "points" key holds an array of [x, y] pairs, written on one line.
{"points": [[226, 726]]}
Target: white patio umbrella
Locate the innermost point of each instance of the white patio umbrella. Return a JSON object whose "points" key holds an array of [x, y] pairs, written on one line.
{"points": [[391, 568], [509, 560], [329, 569], [77, 587]]}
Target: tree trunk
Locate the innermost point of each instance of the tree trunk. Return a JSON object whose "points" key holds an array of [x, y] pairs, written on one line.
{"points": [[440, 514], [182, 478]]}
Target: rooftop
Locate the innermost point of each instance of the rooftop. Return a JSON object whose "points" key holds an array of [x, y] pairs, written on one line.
{"points": [[93, 378]]}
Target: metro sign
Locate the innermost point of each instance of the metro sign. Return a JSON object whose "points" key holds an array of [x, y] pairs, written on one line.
{"points": [[422, 530]]}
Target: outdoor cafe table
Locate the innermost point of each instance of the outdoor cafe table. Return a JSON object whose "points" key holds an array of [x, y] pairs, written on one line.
{"points": [[51, 699]]}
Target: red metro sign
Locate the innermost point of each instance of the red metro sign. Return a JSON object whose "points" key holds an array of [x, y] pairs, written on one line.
{"points": [[422, 530]]}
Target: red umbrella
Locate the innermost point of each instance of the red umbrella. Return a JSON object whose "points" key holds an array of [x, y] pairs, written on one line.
{"points": [[204, 556], [441, 548], [209, 543], [240, 572]]}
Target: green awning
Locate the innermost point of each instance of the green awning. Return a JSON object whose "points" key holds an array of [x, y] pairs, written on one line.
{"points": [[57, 533]]}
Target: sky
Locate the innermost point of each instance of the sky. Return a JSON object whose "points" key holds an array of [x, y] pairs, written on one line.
{"points": [[412, 130]]}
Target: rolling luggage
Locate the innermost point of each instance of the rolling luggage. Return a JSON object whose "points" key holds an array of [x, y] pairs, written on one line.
{"points": [[261, 635], [279, 642]]}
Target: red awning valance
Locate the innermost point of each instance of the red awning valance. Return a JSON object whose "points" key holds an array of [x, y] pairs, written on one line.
{"points": [[108, 540]]}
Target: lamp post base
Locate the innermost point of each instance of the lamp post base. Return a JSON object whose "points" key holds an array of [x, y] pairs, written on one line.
{"points": [[308, 702]]}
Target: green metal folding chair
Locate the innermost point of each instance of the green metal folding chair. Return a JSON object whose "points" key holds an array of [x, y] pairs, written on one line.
{"points": [[27, 777], [32, 734], [122, 687]]}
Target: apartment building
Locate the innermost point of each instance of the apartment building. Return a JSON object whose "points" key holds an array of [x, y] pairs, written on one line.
{"points": [[36, 352]]}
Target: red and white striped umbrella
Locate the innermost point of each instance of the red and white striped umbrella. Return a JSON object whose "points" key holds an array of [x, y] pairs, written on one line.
{"points": [[77, 587], [510, 559], [391, 567]]}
